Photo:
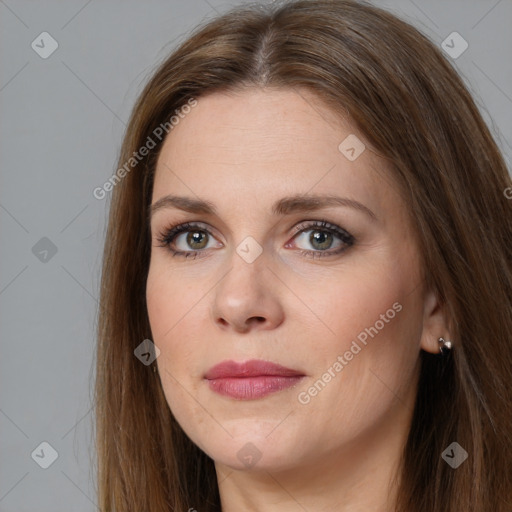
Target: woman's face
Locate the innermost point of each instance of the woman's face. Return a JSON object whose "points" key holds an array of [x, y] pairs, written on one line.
{"points": [[259, 277]]}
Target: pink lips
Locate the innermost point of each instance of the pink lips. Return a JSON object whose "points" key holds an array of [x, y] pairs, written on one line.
{"points": [[251, 379]]}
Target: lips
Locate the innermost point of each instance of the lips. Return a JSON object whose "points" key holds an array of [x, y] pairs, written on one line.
{"points": [[251, 379], [253, 368]]}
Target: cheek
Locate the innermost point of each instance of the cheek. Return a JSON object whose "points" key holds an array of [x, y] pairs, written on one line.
{"points": [[171, 297], [171, 304], [361, 303], [368, 353]]}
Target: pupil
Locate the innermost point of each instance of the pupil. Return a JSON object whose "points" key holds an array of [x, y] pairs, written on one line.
{"points": [[195, 237], [320, 237]]}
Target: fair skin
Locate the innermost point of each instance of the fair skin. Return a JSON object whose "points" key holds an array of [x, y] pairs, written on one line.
{"points": [[338, 450]]}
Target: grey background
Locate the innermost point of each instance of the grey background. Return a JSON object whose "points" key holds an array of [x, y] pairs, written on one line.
{"points": [[62, 120]]}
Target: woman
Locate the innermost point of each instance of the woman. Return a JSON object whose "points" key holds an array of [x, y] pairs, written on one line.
{"points": [[307, 289]]}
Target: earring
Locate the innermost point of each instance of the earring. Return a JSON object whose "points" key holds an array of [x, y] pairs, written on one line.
{"points": [[444, 345], [154, 368]]}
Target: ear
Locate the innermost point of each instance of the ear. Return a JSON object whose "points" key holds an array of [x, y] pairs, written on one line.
{"points": [[435, 324]]}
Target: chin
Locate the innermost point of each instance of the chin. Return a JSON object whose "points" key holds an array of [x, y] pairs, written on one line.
{"points": [[255, 445]]}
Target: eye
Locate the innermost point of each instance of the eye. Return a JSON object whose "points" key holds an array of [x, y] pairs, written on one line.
{"points": [[322, 236], [192, 237]]}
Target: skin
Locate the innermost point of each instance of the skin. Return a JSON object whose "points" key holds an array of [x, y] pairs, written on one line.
{"points": [[243, 151]]}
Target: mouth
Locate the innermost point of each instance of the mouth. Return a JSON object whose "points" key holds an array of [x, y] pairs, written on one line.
{"points": [[250, 380]]}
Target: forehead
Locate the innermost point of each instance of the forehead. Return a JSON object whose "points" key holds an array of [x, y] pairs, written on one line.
{"points": [[255, 145]]}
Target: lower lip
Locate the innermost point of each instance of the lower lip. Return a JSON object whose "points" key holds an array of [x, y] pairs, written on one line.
{"points": [[251, 388]]}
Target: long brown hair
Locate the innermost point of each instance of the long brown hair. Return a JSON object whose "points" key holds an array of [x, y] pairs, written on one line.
{"points": [[415, 111]]}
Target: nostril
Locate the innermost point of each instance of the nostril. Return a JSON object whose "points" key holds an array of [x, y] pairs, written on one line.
{"points": [[257, 319]]}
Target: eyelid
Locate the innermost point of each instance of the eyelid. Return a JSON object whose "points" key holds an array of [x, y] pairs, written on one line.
{"points": [[165, 235], [322, 225], [168, 235]]}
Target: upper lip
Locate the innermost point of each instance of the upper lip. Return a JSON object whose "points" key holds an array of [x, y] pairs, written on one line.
{"points": [[252, 368]]}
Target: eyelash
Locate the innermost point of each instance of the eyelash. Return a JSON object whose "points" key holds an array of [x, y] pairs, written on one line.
{"points": [[167, 236]]}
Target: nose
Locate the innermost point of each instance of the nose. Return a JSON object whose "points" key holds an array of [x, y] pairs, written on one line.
{"points": [[247, 297]]}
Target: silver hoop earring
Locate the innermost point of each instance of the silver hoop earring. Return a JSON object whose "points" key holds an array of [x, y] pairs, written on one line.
{"points": [[444, 345]]}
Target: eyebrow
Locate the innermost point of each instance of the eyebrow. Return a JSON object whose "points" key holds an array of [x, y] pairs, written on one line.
{"points": [[284, 206]]}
